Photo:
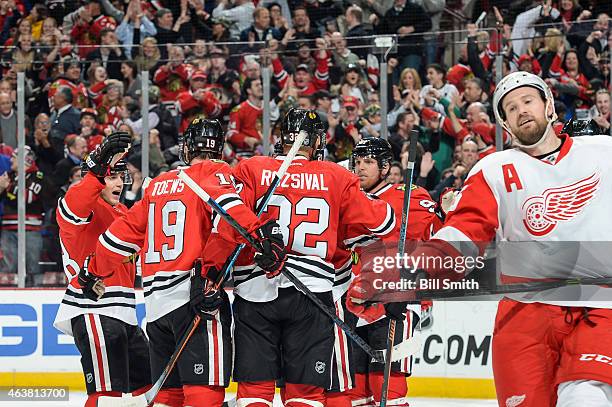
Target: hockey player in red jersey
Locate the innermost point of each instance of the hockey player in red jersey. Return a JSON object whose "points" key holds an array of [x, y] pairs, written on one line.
{"points": [[114, 350], [274, 322], [549, 194], [171, 225], [371, 161]]}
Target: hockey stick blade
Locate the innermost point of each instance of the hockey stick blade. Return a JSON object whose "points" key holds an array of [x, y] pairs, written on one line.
{"points": [[405, 349]]}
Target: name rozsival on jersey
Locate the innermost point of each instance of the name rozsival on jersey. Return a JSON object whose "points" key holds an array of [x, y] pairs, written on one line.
{"points": [[313, 182]]}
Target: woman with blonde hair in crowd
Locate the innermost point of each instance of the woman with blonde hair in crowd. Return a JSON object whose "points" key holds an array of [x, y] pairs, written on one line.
{"points": [[410, 80], [110, 104], [149, 56]]}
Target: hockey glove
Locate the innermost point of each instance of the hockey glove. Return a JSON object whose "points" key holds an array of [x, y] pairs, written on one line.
{"points": [[371, 312], [92, 285], [204, 298], [100, 160], [273, 256], [396, 310]]}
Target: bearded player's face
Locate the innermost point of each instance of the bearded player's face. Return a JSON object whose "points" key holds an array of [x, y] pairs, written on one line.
{"points": [[525, 114], [368, 172]]}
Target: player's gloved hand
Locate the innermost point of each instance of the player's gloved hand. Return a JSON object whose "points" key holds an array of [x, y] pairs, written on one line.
{"points": [[273, 256], [396, 310], [92, 285], [100, 160], [204, 298], [371, 312]]}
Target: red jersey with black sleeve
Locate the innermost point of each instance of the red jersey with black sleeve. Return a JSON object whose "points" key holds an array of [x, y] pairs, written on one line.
{"points": [[314, 200], [170, 227], [82, 216]]}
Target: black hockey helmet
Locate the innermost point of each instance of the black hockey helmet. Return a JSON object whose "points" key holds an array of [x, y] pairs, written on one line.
{"points": [[297, 120], [202, 136], [373, 147]]}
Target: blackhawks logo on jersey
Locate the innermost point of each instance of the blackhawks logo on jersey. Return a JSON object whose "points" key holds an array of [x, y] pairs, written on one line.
{"points": [[402, 187]]}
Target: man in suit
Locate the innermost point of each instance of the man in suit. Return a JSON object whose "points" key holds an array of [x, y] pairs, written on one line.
{"points": [[109, 55], [65, 118]]}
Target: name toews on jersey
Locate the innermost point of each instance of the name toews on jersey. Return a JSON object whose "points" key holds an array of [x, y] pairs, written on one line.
{"points": [[170, 227]]}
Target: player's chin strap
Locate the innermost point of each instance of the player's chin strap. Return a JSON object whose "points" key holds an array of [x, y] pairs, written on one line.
{"points": [[551, 120], [381, 183]]}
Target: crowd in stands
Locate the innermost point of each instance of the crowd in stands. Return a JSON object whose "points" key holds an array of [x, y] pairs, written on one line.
{"points": [[84, 64]]}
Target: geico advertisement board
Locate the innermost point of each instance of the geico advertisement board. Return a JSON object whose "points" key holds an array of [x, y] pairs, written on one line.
{"points": [[458, 344]]}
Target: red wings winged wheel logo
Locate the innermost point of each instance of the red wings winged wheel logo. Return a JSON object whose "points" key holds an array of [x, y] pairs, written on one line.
{"points": [[542, 213]]}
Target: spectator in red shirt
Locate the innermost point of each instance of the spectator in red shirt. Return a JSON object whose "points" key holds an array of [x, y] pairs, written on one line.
{"points": [[244, 130], [71, 79], [90, 24], [197, 101], [305, 83], [90, 129], [173, 77]]}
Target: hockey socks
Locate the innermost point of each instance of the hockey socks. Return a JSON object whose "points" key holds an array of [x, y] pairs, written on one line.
{"points": [[171, 397], [200, 395]]}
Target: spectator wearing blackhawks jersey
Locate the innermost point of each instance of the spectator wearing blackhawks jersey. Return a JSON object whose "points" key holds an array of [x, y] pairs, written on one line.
{"points": [[244, 129], [114, 350], [314, 200], [71, 78], [173, 77], [304, 82], [547, 195], [39, 195], [88, 26], [371, 161], [197, 102], [172, 226]]}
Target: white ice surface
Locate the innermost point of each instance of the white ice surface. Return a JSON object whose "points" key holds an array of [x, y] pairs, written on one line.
{"points": [[78, 400]]}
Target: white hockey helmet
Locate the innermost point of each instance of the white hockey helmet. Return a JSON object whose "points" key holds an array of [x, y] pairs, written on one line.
{"points": [[516, 80]]}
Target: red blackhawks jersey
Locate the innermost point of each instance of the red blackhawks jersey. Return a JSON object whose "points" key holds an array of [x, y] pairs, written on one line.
{"points": [[79, 92], [170, 227], [551, 217], [191, 108], [82, 216], [245, 121], [314, 200], [422, 224]]}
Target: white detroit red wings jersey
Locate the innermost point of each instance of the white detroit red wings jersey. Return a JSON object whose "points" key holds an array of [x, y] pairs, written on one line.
{"points": [[314, 200], [531, 204], [171, 225]]}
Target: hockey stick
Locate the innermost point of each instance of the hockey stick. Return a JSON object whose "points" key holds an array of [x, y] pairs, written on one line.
{"points": [[146, 399], [511, 288], [401, 248], [278, 176], [377, 355]]}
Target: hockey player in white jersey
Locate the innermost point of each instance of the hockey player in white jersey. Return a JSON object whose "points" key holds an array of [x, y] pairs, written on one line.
{"points": [[547, 199]]}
